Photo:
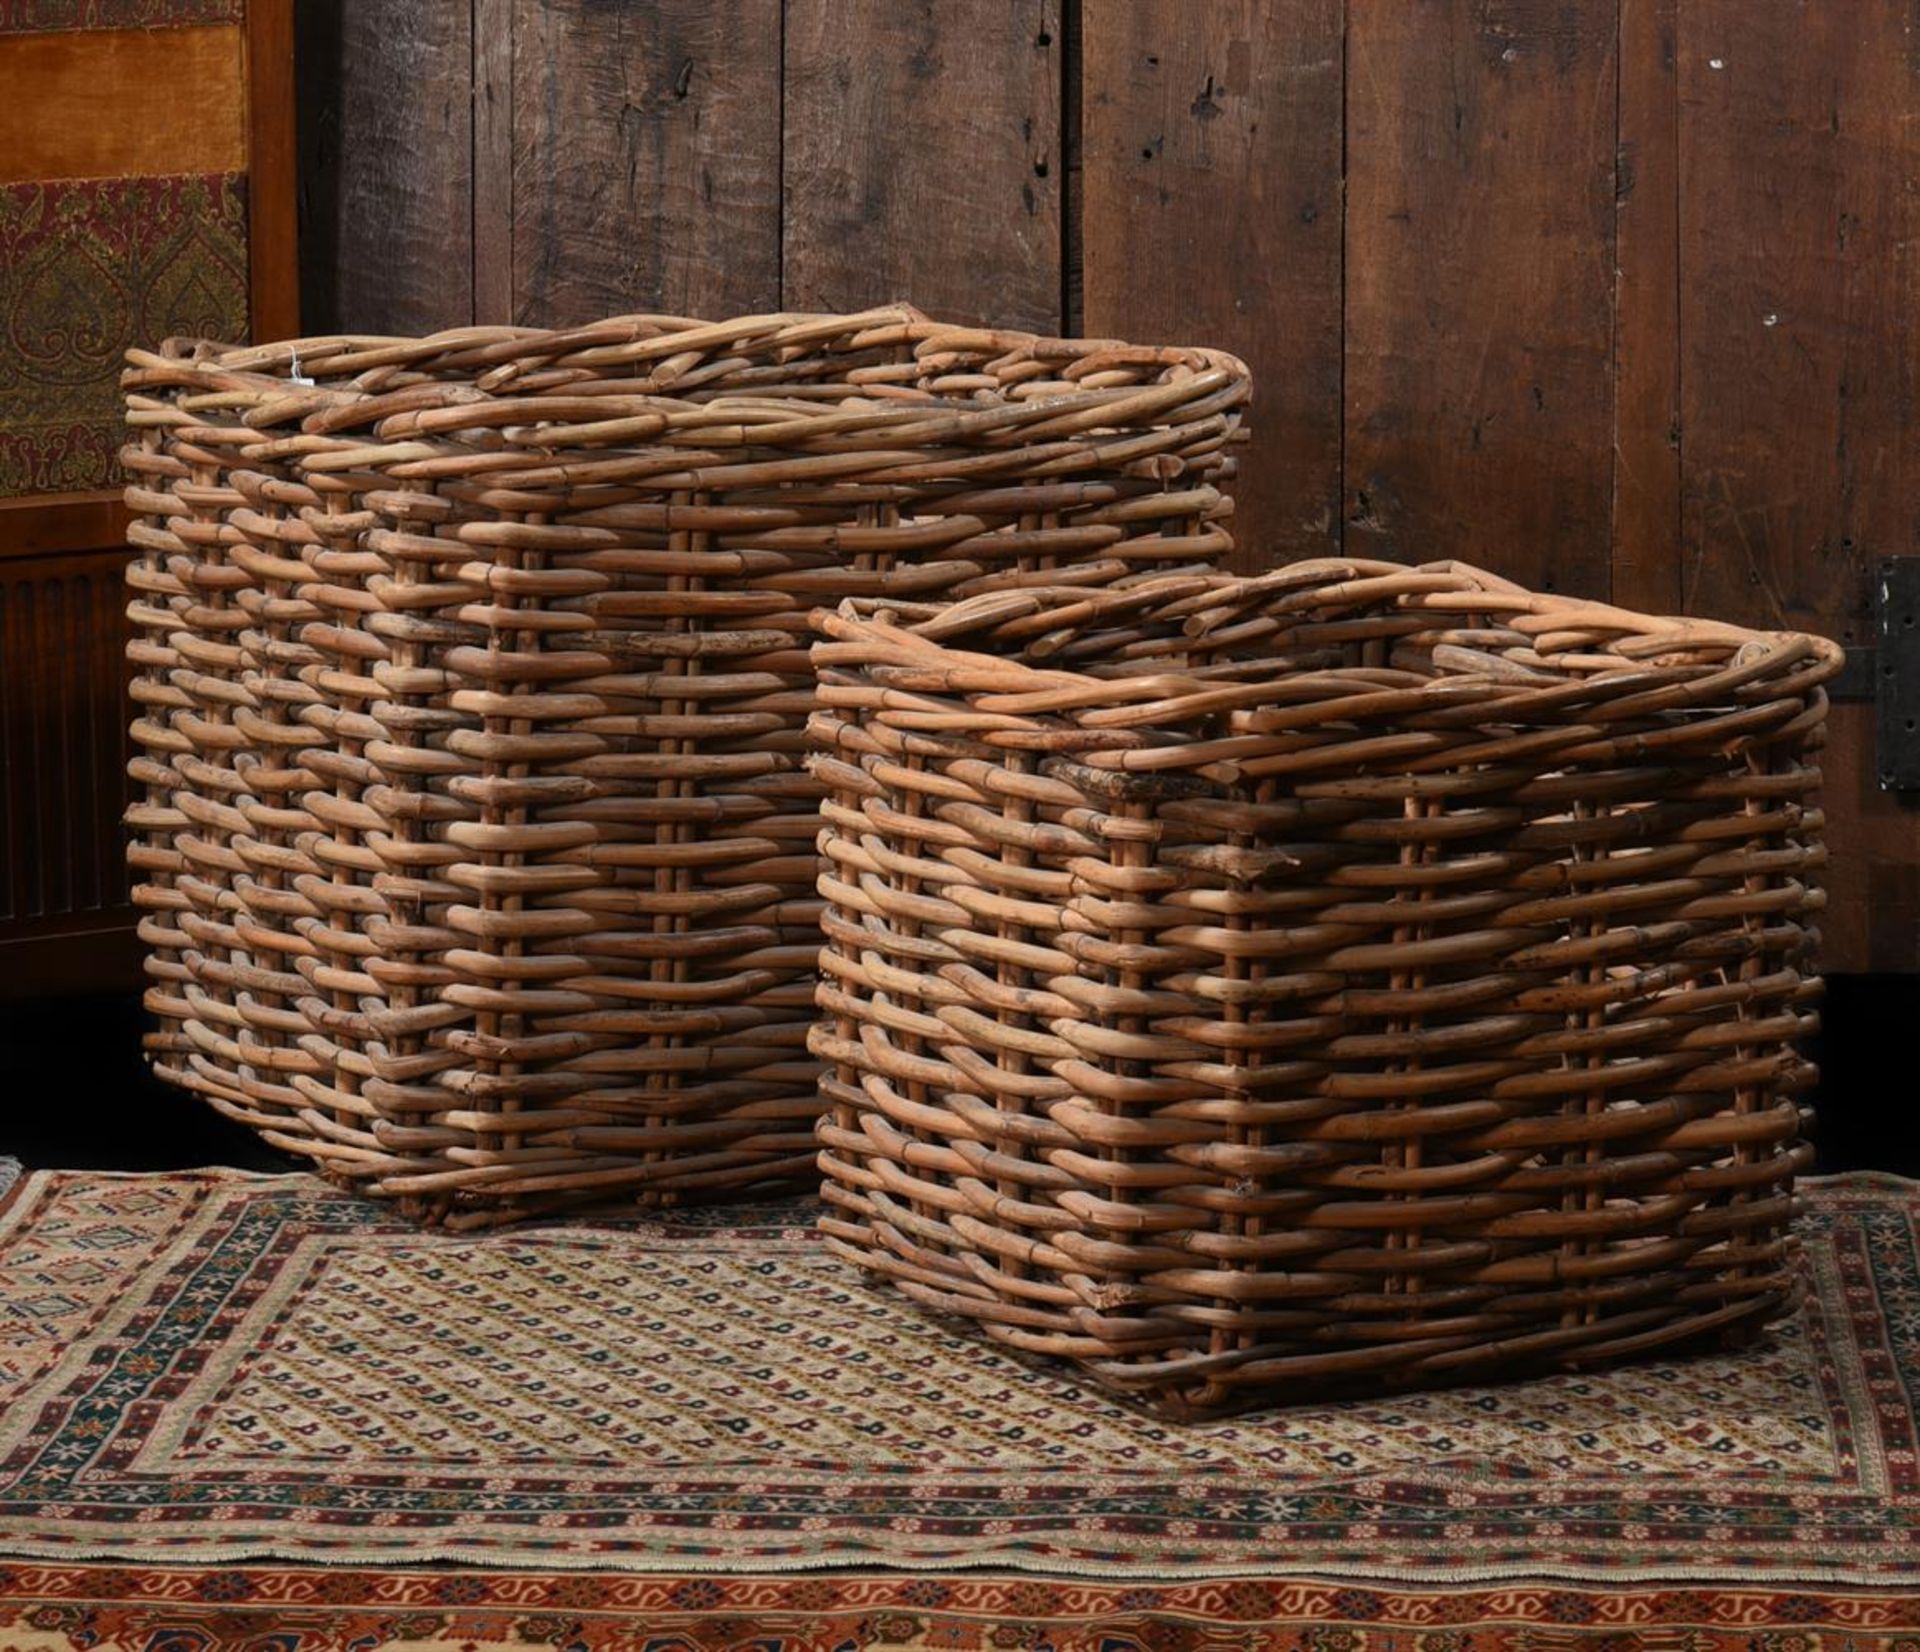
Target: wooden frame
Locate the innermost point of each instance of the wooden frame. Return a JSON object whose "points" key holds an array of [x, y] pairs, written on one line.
{"points": [[93, 949], [273, 235]]}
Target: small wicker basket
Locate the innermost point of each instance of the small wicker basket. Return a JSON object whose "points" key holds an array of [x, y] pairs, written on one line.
{"points": [[1357, 976], [475, 847]]}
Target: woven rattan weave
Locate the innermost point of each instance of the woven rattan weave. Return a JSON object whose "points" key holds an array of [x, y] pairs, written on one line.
{"points": [[475, 844], [1358, 975]]}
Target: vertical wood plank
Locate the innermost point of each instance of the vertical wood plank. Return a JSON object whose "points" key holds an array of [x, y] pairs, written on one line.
{"points": [[493, 50], [1479, 383], [1872, 921], [16, 768], [646, 158], [1073, 193], [106, 725], [386, 138], [1646, 479], [1799, 158], [1799, 153], [24, 694], [273, 238], [63, 685], [1211, 214], [924, 158]]}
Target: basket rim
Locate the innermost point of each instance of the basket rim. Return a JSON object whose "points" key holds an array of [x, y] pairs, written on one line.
{"points": [[865, 635], [412, 387], [1417, 584]]}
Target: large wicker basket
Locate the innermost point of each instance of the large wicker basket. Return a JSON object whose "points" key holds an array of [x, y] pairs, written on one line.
{"points": [[1355, 976], [476, 844]]}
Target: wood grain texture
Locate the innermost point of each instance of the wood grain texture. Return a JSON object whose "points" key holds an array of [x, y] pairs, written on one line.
{"points": [[41, 523], [1799, 155], [386, 166], [1646, 469], [1480, 181], [493, 112], [273, 273], [923, 158], [1798, 160], [1872, 921], [121, 103], [63, 743], [646, 158], [1211, 214]]}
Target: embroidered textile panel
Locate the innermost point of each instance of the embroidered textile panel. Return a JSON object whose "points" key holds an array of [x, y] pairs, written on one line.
{"points": [[88, 267]]}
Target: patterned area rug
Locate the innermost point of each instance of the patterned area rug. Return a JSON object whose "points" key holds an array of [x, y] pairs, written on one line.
{"points": [[289, 1609], [9, 1174], [207, 1368]]}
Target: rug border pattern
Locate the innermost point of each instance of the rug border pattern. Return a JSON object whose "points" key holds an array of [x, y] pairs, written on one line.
{"points": [[1853, 1537]]}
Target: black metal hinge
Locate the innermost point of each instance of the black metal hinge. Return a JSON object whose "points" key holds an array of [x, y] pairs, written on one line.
{"points": [[1887, 672], [1896, 673]]}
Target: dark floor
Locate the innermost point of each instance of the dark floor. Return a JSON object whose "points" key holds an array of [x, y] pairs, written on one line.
{"points": [[74, 1093], [1867, 1108]]}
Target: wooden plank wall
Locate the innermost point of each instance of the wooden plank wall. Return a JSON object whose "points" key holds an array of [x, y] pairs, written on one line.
{"points": [[1609, 295]]}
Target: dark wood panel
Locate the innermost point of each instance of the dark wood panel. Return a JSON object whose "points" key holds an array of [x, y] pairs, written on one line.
{"points": [[1646, 477], [1799, 158], [923, 158], [1479, 336], [646, 158], [386, 139], [1798, 163], [1872, 921], [39, 524], [63, 743], [273, 269], [1212, 215], [493, 112], [36, 967]]}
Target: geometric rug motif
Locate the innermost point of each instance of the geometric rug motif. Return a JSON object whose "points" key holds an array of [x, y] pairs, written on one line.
{"points": [[212, 1367], [664, 1360], [269, 1608]]}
